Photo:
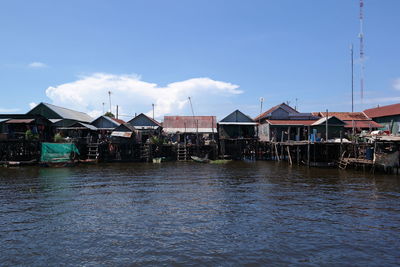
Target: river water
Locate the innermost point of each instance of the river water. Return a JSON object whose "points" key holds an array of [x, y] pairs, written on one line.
{"points": [[180, 214]]}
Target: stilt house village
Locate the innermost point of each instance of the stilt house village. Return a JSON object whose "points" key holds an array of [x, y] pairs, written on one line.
{"points": [[50, 135]]}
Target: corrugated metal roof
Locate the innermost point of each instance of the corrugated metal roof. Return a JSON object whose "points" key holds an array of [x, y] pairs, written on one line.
{"points": [[330, 118], [291, 122], [118, 120], [101, 120], [79, 125], [126, 127], [66, 113], [383, 111], [22, 121], [190, 130], [237, 116], [143, 120], [345, 116], [121, 134], [362, 124], [204, 124], [284, 106], [237, 123]]}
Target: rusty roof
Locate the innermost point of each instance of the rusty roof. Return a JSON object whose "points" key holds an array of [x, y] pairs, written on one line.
{"points": [[383, 111], [189, 121], [362, 124], [344, 116], [118, 120], [291, 122], [190, 124]]}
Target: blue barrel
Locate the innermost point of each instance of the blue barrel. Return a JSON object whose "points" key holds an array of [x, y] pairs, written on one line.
{"points": [[369, 153]]}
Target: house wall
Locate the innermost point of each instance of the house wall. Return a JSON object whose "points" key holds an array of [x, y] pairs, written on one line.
{"points": [[236, 131], [388, 122], [264, 132], [333, 131]]}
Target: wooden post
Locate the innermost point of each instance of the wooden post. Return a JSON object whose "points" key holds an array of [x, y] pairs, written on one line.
{"points": [[290, 157], [277, 154]]}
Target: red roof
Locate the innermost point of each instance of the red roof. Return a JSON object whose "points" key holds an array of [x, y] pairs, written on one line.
{"points": [[344, 116], [189, 122], [362, 124], [291, 122], [383, 111], [118, 120]]}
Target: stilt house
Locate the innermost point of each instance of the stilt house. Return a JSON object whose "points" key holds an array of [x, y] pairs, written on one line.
{"points": [[145, 127], [237, 133]]}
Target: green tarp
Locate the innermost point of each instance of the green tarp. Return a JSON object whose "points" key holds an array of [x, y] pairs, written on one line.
{"points": [[58, 152]]}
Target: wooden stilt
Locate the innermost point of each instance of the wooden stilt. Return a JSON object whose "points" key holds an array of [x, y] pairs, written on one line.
{"points": [[289, 156]]}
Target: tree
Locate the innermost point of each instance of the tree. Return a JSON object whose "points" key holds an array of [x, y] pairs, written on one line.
{"points": [[109, 114]]}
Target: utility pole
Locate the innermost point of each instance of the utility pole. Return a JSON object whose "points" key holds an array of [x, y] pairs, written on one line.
{"points": [[103, 107], [109, 98], [259, 118], [153, 110], [361, 36], [261, 102], [196, 125], [326, 125], [352, 78]]}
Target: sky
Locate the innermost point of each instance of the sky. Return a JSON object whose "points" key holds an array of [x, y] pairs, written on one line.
{"points": [[224, 55]]}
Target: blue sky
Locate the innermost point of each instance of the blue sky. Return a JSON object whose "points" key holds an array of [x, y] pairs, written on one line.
{"points": [[224, 54]]}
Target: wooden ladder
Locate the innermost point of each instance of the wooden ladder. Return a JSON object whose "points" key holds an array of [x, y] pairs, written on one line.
{"points": [[93, 151], [145, 152], [181, 153], [343, 162]]}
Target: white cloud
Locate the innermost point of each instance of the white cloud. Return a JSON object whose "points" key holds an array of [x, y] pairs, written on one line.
{"points": [[396, 84], [36, 65], [133, 95], [32, 105]]}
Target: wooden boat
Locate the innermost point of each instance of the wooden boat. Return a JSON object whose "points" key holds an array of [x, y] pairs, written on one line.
{"points": [[220, 161], [58, 164], [18, 163], [200, 160]]}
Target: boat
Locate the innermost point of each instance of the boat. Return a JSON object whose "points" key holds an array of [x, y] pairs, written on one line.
{"points": [[220, 161], [200, 160], [157, 160]]}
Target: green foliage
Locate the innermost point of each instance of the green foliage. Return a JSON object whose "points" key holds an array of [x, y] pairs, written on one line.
{"points": [[58, 138], [109, 114], [29, 135], [156, 140]]}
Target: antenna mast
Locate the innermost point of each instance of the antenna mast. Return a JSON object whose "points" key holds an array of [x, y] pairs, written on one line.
{"points": [[352, 78], [109, 98], [361, 36]]}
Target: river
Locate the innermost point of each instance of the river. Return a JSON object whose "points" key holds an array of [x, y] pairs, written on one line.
{"points": [[191, 214]]}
